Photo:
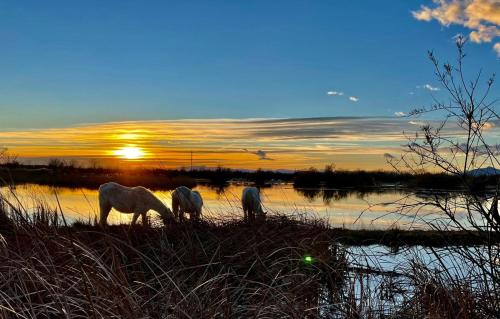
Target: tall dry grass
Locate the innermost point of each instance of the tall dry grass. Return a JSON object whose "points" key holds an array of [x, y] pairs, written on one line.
{"points": [[285, 267], [49, 269]]}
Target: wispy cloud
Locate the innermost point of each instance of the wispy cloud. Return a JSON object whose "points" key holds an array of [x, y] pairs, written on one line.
{"points": [[399, 114], [293, 143], [338, 93], [485, 149], [496, 47], [428, 87], [388, 156], [482, 17], [335, 93], [261, 154], [418, 123]]}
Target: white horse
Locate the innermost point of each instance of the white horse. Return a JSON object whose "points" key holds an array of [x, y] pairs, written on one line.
{"points": [[184, 200], [130, 200], [252, 208]]}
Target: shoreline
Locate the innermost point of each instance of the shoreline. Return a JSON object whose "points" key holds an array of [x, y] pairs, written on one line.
{"points": [[80, 177], [393, 238]]}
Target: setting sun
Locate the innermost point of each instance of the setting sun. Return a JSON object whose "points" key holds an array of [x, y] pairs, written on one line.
{"points": [[130, 152]]}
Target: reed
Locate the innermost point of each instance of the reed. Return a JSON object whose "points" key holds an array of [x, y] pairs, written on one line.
{"points": [[287, 267], [51, 269]]}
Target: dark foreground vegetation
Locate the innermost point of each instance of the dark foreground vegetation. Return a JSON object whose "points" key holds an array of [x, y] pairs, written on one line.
{"points": [[281, 268], [70, 175]]}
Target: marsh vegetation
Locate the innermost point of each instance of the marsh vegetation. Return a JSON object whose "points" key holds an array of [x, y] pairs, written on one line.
{"points": [[284, 267]]}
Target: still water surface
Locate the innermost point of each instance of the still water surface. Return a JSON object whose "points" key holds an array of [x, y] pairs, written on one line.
{"points": [[341, 208]]}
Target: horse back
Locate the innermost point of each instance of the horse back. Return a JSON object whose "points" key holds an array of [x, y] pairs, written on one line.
{"points": [[122, 198]]}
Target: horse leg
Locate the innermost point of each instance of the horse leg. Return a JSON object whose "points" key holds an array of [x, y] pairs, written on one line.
{"points": [[104, 212], [134, 219], [194, 215], [261, 214], [144, 219], [175, 208], [245, 214]]}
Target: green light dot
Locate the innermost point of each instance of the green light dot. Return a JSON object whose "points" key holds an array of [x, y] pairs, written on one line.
{"points": [[308, 259]]}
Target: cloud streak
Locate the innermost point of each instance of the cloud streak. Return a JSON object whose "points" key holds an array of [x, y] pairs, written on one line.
{"points": [[338, 93], [428, 87], [352, 142], [335, 93]]}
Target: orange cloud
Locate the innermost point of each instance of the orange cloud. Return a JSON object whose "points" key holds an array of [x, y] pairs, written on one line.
{"points": [[480, 16]]}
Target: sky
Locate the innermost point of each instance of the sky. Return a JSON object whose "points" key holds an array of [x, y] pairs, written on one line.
{"points": [[80, 67]]}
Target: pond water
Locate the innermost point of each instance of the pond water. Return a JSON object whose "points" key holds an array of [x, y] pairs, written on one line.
{"points": [[375, 209], [388, 278]]}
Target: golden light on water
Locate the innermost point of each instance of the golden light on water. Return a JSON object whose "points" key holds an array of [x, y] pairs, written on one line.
{"points": [[130, 153]]}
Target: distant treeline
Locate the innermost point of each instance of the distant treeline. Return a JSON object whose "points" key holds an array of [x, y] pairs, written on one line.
{"points": [[60, 174], [330, 178], [74, 176]]}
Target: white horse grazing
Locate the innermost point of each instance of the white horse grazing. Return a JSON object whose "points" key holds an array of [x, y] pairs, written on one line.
{"points": [[130, 200], [185, 200], [250, 200]]}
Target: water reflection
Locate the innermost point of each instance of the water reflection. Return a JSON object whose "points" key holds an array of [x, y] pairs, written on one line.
{"points": [[331, 195], [350, 208]]}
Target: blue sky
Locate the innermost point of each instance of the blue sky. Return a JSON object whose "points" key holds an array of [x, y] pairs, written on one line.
{"points": [[90, 80], [70, 62]]}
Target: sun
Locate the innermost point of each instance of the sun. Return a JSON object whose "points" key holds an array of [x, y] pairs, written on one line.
{"points": [[130, 152]]}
